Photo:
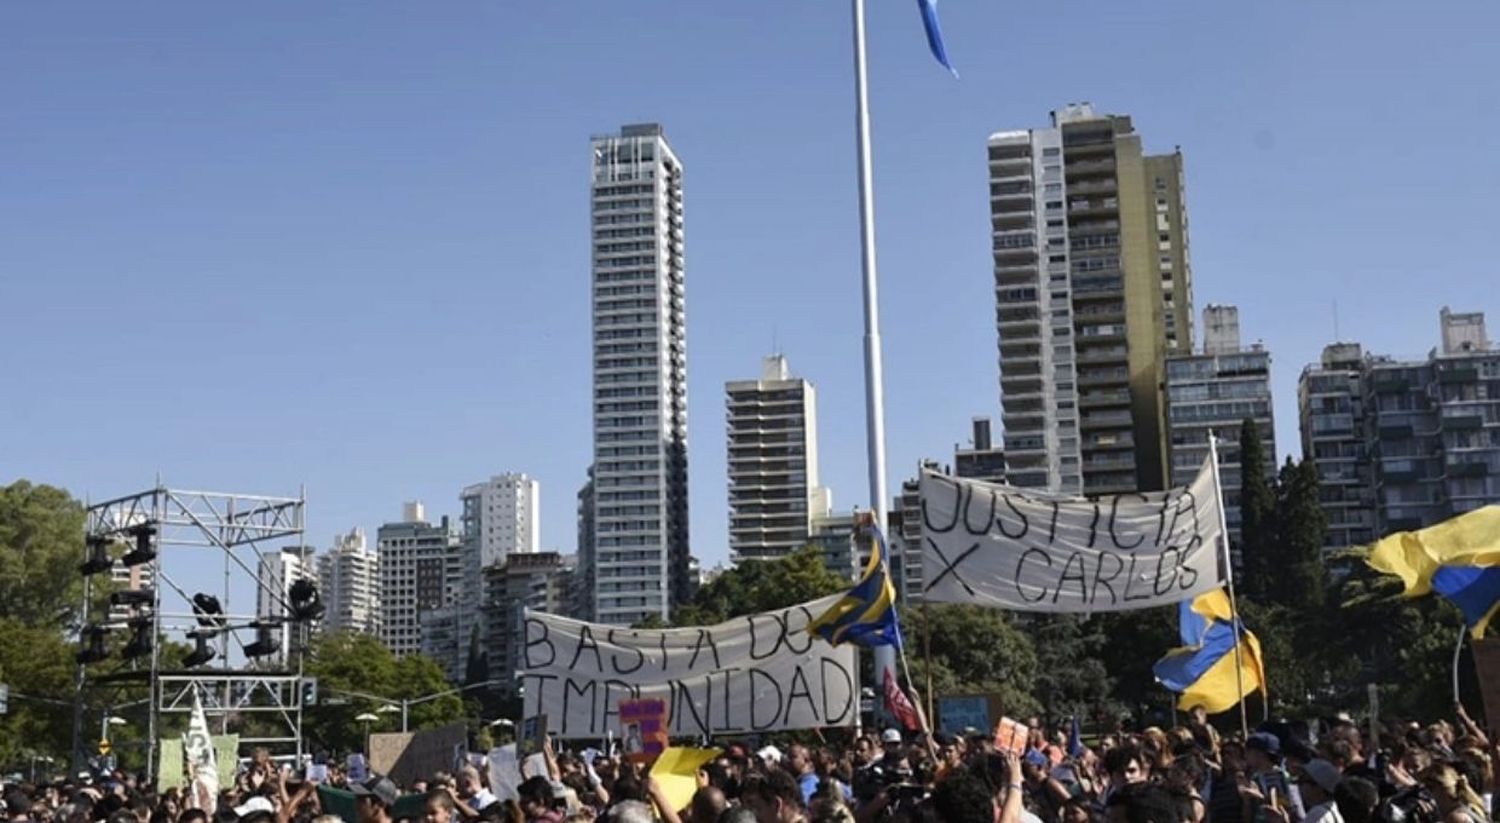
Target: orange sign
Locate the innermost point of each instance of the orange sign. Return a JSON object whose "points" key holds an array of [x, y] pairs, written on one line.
{"points": [[1011, 736], [644, 725]]}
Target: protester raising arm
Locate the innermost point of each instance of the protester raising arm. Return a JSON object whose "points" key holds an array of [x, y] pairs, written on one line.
{"points": [[1008, 809]]}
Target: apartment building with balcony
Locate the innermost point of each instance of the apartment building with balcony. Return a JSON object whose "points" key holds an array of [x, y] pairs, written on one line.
{"points": [[1093, 290], [640, 484], [774, 494]]}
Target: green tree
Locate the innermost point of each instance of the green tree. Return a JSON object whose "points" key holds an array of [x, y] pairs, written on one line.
{"points": [[346, 663], [37, 664], [41, 545], [1404, 646], [1301, 526], [971, 650], [1071, 677], [761, 586], [1257, 516]]}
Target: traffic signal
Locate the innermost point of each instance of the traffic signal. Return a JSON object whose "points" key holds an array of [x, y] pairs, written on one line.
{"points": [[309, 691]]}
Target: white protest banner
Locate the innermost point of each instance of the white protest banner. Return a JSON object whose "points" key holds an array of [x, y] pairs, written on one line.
{"points": [[758, 673], [1020, 549]]}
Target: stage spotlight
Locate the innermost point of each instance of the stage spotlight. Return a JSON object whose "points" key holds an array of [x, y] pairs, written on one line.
{"points": [[137, 598], [145, 550], [305, 602], [208, 611], [267, 641], [91, 644], [140, 639], [98, 559], [201, 653]]}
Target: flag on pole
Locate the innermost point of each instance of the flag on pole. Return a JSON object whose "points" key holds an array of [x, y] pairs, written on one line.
{"points": [[935, 33], [898, 704], [866, 615], [202, 763], [1076, 748], [1202, 670], [1458, 558]]}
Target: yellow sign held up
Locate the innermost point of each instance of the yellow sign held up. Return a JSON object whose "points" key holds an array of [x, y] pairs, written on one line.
{"points": [[676, 771]]}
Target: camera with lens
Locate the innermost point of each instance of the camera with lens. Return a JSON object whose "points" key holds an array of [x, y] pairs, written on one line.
{"points": [[1414, 805]]}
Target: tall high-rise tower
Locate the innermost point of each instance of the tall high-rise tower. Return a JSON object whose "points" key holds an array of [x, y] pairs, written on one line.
{"points": [[640, 377], [1092, 291]]}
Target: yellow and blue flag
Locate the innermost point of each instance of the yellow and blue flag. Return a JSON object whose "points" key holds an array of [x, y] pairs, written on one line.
{"points": [[1202, 670], [866, 615], [1458, 558], [935, 33]]}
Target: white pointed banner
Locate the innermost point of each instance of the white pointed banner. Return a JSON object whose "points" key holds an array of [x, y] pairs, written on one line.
{"points": [[202, 763]]}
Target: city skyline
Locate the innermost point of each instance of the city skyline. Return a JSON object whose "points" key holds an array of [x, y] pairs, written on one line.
{"points": [[350, 274]]}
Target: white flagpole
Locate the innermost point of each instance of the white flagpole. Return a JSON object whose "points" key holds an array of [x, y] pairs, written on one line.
{"points": [[1234, 608], [1458, 650], [885, 657]]}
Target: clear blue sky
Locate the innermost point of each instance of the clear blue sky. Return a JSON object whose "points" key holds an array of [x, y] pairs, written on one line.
{"points": [[345, 243]]}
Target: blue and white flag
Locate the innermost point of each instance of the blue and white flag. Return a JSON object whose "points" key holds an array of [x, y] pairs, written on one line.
{"points": [[935, 33]]}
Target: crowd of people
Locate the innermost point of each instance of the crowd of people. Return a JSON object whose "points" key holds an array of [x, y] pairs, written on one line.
{"points": [[1324, 772]]}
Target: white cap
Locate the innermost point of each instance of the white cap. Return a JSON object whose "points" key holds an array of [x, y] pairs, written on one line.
{"points": [[890, 736], [770, 754], [254, 804]]}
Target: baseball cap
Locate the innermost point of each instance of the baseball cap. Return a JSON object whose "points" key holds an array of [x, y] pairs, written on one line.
{"points": [[890, 736], [1323, 773], [770, 754], [1264, 742], [379, 787]]}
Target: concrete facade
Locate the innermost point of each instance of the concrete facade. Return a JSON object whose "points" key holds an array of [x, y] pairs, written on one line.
{"points": [[641, 553], [349, 576], [1090, 250], [773, 463]]}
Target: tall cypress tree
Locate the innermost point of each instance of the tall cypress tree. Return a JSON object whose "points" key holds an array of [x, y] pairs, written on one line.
{"points": [[1301, 528], [1258, 538]]}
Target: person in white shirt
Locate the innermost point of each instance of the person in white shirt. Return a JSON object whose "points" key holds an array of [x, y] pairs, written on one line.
{"points": [[1317, 782]]}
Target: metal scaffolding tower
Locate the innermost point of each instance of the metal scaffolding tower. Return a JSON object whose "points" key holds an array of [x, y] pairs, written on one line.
{"points": [[165, 533]]}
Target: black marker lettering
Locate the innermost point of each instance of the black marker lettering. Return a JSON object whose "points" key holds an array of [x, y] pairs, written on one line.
{"points": [[755, 646], [829, 718], [798, 676], [1020, 515], [534, 641], [1082, 579], [1161, 567], [989, 518], [1020, 564], [937, 528], [586, 641], [614, 662], [1101, 580], [758, 700], [1114, 517], [1130, 583], [589, 690], [704, 638]]}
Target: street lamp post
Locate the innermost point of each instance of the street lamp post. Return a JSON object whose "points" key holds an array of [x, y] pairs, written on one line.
{"points": [[404, 704]]}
